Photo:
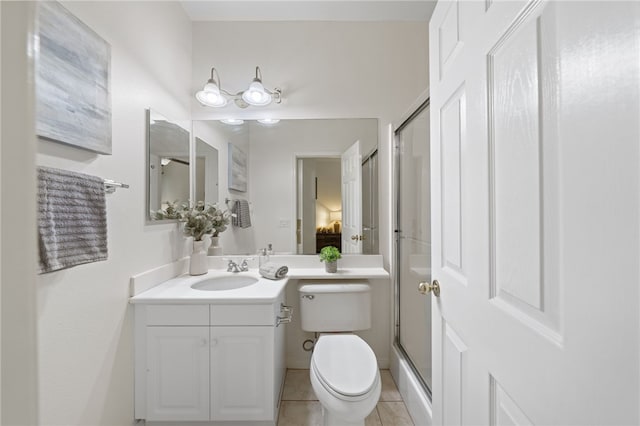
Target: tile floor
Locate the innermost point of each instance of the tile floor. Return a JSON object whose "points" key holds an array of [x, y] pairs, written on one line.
{"points": [[300, 407]]}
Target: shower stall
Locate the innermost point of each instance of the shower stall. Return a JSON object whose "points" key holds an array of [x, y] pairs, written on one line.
{"points": [[413, 247]]}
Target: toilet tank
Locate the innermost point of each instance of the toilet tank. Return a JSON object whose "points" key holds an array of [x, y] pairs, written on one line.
{"points": [[331, 305]]}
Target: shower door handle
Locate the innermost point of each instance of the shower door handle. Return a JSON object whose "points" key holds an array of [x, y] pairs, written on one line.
{"points": [[425, 287]]}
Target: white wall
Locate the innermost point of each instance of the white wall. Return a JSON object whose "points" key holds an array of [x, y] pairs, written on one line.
{"points": [[329, 183], [18, 243], [326, 70], [85, 337]]}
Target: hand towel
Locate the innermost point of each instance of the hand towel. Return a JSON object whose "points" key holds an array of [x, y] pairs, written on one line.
{"points": [[242, 218], [273, 271], [72, 219]]}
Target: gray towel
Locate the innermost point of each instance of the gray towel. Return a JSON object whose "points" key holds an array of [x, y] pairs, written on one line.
{"points": [[273, 271], [72, 219], [242, 218]]}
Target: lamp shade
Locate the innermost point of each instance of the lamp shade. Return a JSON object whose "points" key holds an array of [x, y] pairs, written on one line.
{"points": [[256, 95], [334, 216], [210, 95]]}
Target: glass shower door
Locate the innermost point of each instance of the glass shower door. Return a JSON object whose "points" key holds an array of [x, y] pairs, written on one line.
{"points": [[413, 242]]}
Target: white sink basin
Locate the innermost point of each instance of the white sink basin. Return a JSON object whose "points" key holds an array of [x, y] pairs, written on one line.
{"points": [[230, 282]]}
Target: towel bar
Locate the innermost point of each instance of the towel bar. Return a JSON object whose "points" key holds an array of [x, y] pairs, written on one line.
{"points": [[110, 186]]}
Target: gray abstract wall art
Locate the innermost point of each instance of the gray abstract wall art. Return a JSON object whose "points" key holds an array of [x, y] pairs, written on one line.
{"points": [[73, 102]]}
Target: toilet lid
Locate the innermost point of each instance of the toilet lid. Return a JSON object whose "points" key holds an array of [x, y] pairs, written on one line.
{"points": [[345, 363]]}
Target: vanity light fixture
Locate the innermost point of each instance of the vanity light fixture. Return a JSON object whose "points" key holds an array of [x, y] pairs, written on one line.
{"points": [[268, 120], [232, 121], [256, 94], [211, 94]]}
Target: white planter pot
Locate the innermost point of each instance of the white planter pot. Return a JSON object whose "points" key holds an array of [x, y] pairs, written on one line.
{"points": [[215, 249], [198, 264], [331, 267]]}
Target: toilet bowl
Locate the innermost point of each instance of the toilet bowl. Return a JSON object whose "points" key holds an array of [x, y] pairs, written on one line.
{"points": [[345, 378]]}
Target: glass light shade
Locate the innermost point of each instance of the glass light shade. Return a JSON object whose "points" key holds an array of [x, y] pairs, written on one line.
{"points": [[210, 96], [256, 95], [333, 216]]}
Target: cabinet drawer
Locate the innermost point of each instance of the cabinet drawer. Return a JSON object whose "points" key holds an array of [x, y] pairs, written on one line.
{"points": [[177, 314], [242, 315]]}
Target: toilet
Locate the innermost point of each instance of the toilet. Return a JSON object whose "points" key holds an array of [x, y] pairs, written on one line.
{"points": [[344, 370]]}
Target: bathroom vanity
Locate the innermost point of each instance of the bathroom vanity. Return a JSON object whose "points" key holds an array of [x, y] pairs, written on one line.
{"points": [[210, 350], [210, 356]]}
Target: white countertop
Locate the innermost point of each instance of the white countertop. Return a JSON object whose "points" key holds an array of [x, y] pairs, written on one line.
{"points": [[348, 273], [178, 289]]}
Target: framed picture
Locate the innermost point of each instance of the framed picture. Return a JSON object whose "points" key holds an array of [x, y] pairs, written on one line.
{"points": [[237, 169], [73, 101]]}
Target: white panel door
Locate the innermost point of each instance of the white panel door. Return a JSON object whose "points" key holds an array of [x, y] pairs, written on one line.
{"points": [[242, 373], [177, 373], [352, 199], [535, 193]]}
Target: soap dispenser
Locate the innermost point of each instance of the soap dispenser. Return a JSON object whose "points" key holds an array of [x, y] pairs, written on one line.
{"points": [[270, 249], [263, 257]]}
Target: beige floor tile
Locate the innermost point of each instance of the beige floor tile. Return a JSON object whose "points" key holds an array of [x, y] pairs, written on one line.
{"points": [[373, 419], [394, 414], [389, 389], [300, 413], [297, 386]]}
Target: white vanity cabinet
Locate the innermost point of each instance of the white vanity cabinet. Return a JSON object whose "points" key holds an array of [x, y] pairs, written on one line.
{"points": [[209, 363], [177, 367], [242, 361]]}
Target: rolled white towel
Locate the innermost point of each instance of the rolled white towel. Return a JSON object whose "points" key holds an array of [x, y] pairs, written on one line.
{"points": [[273, 271]]}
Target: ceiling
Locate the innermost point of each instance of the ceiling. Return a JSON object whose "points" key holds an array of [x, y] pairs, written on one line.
{"points": [[309, 10]]}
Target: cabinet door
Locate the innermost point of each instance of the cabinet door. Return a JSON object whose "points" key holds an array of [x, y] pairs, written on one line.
{"points": [[242, 367], [178, 373]]}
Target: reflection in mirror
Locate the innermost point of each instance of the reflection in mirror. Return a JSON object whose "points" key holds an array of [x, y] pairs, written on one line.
{"points": [[167, 163], [319, 211], [206, 172], [273, 151]]}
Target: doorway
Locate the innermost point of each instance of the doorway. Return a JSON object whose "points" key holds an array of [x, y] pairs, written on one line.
{"points": [[319, 207], [413, 243]]}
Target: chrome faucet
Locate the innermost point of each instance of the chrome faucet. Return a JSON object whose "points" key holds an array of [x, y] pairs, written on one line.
{"points": [[244, 267], [234, 267]]}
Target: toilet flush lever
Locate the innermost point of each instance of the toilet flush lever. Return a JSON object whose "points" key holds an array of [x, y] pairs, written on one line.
{"points": [[308, 296]]}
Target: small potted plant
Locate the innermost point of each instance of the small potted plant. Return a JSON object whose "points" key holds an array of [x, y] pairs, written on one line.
{"points": [[330, 255]]}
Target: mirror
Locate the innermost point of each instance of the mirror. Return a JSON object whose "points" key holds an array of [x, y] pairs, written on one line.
{"points": [[167, 162], [273, 152], [206, 173]]}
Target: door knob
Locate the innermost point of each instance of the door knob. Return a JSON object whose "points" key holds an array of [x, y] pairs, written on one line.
{"points": [[354, 237], [425, 287]]}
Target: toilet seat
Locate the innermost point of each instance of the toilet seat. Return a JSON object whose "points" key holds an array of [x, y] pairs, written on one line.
{"points": [[345, 366]]}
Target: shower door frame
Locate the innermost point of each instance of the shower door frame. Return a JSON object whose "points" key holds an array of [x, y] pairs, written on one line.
{"points": [[421, 104]]}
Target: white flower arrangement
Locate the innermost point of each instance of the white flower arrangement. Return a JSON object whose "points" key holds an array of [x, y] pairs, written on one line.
{"points": [[200, 220]]}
